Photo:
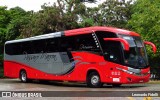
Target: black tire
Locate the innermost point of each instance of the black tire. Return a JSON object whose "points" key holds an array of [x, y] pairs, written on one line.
{"points": [[93, 80], [23, 77]]}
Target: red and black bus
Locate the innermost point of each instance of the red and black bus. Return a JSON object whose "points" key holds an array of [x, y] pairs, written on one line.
{"points": [[94, 55]]}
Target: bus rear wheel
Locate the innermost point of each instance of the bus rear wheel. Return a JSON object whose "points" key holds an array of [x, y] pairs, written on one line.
{"points": [[93, 80], [23, 77]]}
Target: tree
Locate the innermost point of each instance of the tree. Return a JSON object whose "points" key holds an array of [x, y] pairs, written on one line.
{"points": [[111, 13], [146, 21], [70, 14], [4, 20], [54, 18], [11, 21], [91, 1], [19, 17]]}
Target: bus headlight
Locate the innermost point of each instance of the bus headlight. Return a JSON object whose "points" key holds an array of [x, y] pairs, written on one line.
{"points": [[124, 70]]}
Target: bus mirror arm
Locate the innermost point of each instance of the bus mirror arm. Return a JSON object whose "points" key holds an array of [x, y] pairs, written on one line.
{"points": [[123, 41], [151, 44]]}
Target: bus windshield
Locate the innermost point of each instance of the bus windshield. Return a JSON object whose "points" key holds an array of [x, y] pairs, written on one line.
{"points": [[136, 56]]}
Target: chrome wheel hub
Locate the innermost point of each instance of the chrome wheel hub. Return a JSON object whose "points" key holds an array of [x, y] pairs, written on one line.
{"points": [[23, 77], [94, 80]]}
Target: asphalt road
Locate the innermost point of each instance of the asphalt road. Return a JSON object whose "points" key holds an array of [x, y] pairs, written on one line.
{"points": [[72, 91]]}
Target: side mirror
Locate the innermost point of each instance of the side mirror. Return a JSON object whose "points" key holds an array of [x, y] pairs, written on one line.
{"points": [[154, 49], [123, 41]]}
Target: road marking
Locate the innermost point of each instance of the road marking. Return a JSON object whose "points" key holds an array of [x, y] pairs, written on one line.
{"points": [[147, 98], [130, 98]]}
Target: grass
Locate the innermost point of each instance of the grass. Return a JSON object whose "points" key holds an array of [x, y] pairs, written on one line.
{"points": [[154, 82]]}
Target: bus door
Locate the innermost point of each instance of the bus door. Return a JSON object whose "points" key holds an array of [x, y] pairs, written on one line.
{"points": [[114, 55]]}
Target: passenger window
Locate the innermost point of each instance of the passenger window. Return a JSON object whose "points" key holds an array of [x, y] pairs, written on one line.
{"points": [[39, 46], [52, 45], [87, 43], [13, 49]]}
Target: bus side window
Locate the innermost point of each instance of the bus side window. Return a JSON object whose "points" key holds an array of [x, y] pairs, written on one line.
{"points": [[87, 43], [71, 44], [27, 47], [39, 46], [52, 45], [67, 44], [13, 49], [63, 44]]}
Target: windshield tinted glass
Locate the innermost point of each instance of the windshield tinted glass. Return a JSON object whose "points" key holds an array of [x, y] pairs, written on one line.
{"points": [[136, 56]]}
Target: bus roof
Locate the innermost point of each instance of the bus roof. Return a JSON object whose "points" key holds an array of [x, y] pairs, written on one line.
{"points": [[99, 28], [76, 32], [39, 37]]}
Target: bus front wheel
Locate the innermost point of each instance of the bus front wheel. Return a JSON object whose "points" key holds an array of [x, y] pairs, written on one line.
{"points": [[23, 76], [93, 80]]}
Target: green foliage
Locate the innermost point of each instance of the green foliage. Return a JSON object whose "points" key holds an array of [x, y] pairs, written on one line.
{"points": [[70, 14], [54, 18], [1, 66], [4, 17], [1, 59], [19, 17], [111, 13], [87, 1], [4, 20], [87, 22], [146, 21], [11, 21], [1, 73]]}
